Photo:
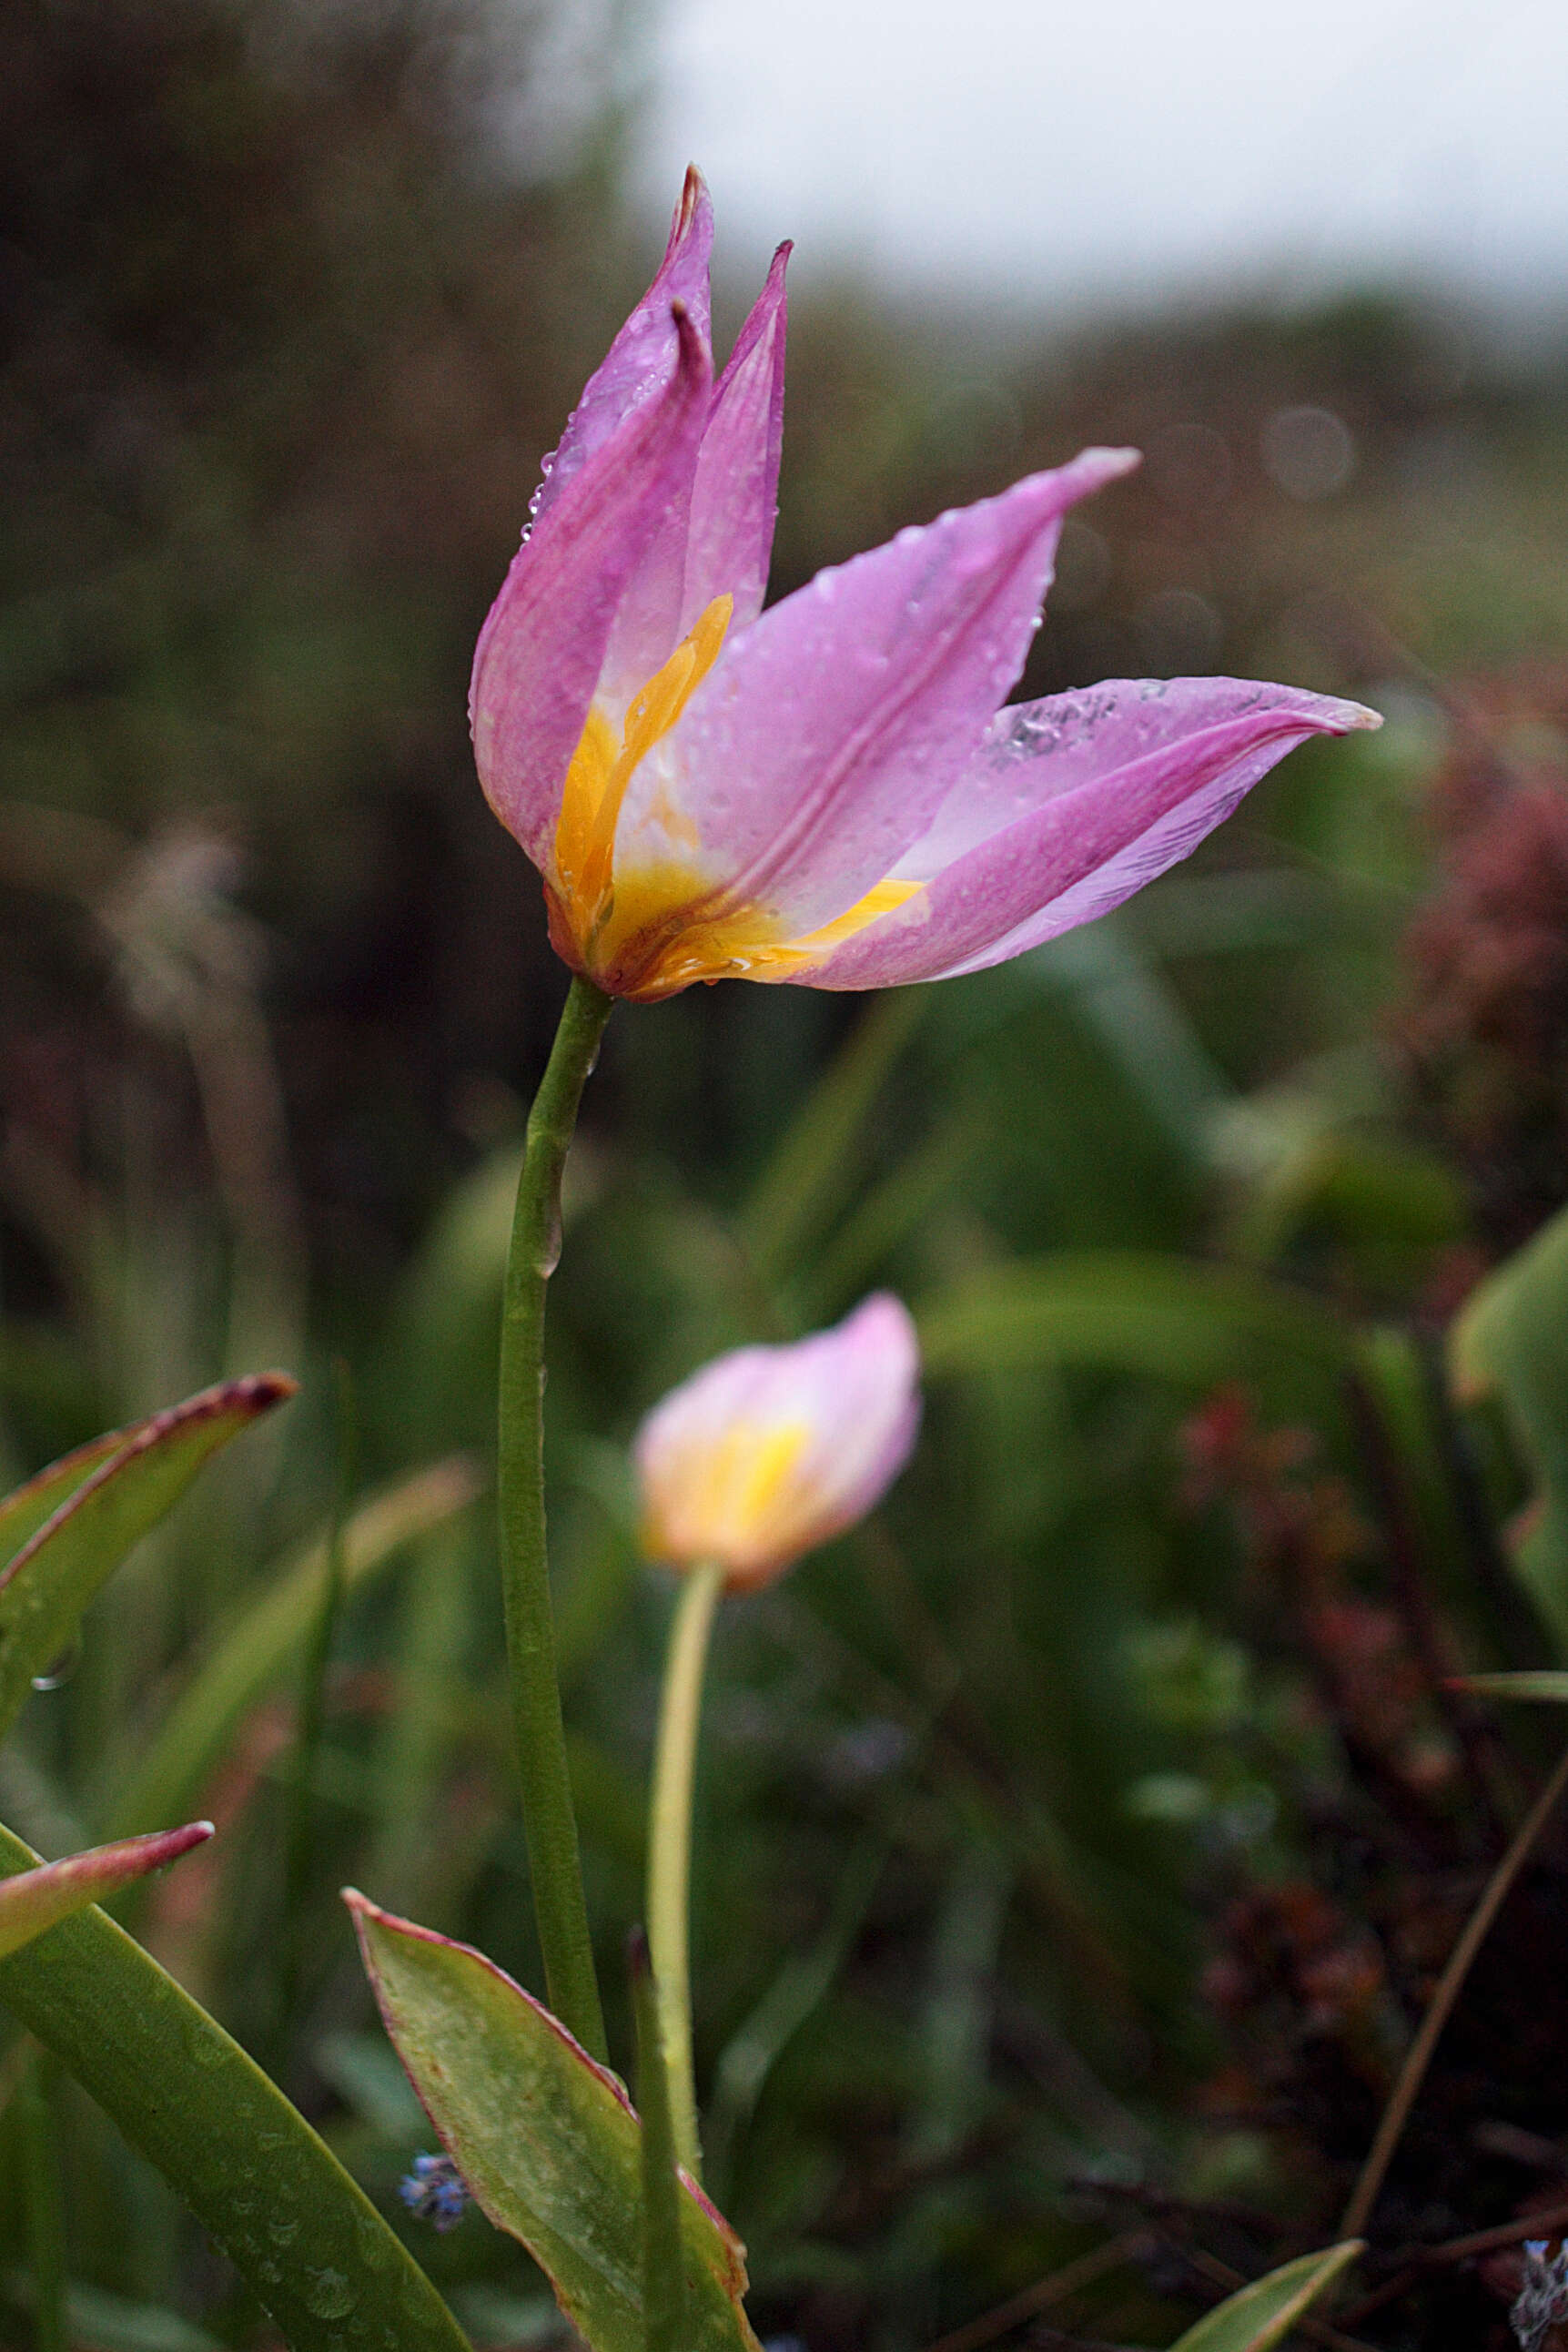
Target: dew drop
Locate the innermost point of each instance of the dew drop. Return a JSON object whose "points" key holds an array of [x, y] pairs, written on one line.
{"points": [[60, 1670], [328, 2295]]}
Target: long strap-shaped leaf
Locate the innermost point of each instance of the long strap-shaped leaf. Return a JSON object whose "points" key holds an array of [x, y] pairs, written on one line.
{"points": [[48, 1582], [545, 2138], [25, 1510], [36, 1900], [1266, 2309], [308, 2243], [251, 1651]]}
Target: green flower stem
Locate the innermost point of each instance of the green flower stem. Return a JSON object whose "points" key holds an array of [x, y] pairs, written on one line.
{"points": [[664, 2258], [670, 1845], [548, 1816]]}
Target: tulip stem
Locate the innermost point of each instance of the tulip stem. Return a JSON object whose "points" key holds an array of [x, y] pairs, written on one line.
{"points": [[670, 1845], [549, 1820]]}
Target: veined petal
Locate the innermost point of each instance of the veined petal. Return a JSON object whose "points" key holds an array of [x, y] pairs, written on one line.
{"points": [[829, 732], [716, 534], [541, 651], [1073, 804], [734, 496], [767, 1452], [642, 359]]}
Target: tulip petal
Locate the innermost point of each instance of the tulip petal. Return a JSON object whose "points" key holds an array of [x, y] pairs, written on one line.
{"points": [[734, 496], [543, 649], [716, 534], [1073, 804], [642, 359], [829, 732]]}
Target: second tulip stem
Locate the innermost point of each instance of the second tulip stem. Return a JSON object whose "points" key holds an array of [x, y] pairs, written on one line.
{"points": [[670, 1845], [548, 1819]]}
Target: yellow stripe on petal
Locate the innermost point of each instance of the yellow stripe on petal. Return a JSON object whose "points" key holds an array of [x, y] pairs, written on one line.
{"points": [[647, 932], [601, 769], [882, 899], [737, 1500]]}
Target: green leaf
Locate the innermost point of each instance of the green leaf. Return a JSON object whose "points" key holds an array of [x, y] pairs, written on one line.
{"points": [[26, 1508], [815, 1164], [309, 2245], [1160, 1317], [62, 1564], [36, 1899], [258, 1645], [1549, 1682], [546, 2139], [1262, 2312], [1511, 1341]]}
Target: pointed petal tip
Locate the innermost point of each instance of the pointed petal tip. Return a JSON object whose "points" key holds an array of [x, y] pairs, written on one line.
{"points": [[693, 204], [1052, 490]]}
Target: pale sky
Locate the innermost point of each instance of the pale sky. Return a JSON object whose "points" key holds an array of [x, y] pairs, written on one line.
{"points": [[1127, 149]]}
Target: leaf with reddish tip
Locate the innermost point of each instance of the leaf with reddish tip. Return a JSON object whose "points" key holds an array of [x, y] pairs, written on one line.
{"points": [[62, 1563], [1260, 2313], [25, 1510], [546, 2139], [37, 1900], [307, 2242]]}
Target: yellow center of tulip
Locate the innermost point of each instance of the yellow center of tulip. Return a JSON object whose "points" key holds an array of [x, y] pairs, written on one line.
{"points": [[647, 931], [738, 1500]]}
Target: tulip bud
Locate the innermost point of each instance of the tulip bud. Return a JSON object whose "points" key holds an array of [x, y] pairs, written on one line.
{"points": [[767, 1452]]}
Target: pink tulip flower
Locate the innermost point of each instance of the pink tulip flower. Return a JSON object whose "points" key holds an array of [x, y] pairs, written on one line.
{"points": [[767, 1452], [827, 793]]}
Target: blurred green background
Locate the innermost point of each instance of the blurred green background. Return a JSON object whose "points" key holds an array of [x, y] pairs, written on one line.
{"points": [[1079, 1841]]}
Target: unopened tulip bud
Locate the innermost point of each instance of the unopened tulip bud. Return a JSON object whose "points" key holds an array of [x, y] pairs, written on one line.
{"points": [[767, 1452]]}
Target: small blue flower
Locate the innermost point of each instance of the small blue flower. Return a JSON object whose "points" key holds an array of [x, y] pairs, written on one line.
{"points": [[435, 2191], [1541, 2302]]}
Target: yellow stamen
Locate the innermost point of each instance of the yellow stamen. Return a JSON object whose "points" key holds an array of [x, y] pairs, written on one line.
{"points": [[650, 931], [731, 1500], [601, 770]]}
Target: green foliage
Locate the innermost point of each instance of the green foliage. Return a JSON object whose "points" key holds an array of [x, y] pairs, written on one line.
{"points": [[1262, 2312], [1511, 1344], [34, 1900], [545, 2138], [49, 1581], [307, 2242], [247, 1656]]}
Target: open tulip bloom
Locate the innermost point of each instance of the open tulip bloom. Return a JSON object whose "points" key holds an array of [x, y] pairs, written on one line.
{"points": [[826, 793]]}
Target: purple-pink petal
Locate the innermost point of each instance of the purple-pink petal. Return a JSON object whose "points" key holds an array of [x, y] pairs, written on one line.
{"points": [[543, 649], [735, 498], [716, 535], [832, 731], [642, 359], [1073, 804]]}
